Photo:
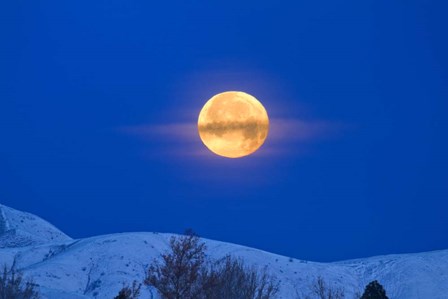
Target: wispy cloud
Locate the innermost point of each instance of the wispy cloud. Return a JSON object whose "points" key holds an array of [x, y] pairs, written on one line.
{"points": [[294, 130], [176, 132], [182, 139]]}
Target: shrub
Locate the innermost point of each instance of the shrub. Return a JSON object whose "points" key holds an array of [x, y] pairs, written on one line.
{"points": [[129, 292], [185, 273], [231, 278], [13, 286]]}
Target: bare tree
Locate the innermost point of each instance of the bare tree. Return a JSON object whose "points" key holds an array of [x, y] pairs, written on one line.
{"points": [[13, 286], [185, 273], [180, 273], [321, 290], [324, 291]]}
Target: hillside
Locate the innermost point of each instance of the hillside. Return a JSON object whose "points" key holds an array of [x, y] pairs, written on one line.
{"points": [[18, 229], [97, 267]]}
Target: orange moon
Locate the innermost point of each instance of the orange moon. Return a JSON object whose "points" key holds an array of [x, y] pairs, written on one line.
{"points": [[233, 124]]}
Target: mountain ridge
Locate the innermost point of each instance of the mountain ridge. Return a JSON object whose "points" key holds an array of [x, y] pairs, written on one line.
{"points": [[19, 229], [97, 267]]}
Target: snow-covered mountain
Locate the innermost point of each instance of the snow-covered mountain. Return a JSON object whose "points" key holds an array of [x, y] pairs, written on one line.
{"points": [[98, 267], [19, 229]]}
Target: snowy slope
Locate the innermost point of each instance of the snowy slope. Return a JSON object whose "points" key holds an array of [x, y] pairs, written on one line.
{"points": [[97, 267], [19, 229]]}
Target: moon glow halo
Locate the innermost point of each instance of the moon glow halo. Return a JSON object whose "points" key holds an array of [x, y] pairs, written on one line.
{"points": [[233, 124]]}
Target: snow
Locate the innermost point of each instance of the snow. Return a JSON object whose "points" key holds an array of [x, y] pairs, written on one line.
{"points": [[98, 267], [19, 229]]}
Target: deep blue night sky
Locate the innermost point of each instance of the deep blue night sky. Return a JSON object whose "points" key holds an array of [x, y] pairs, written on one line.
{"points": [[99, 99]]}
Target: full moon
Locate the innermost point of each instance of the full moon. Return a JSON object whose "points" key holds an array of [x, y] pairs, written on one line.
{"points": [[233, 124]]}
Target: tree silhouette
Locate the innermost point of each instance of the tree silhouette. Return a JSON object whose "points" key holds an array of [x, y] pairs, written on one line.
{"points": [[185, 273], [374, 290], [12, 285], [231, 278], [179, 274]]}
